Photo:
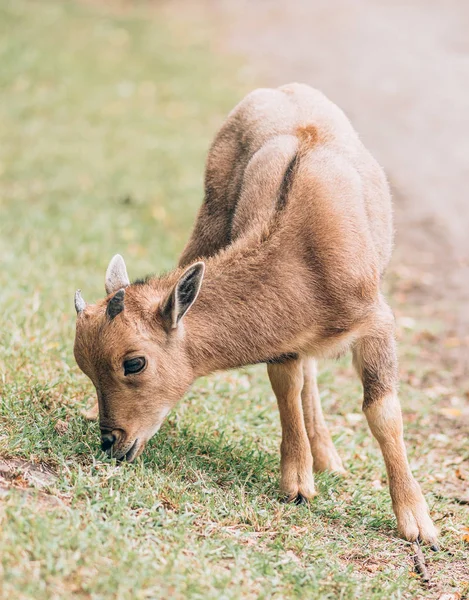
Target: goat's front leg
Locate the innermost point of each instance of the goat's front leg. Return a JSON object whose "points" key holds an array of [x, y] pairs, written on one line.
{"points": [[325, 456], [375, 361], [296, 462]]}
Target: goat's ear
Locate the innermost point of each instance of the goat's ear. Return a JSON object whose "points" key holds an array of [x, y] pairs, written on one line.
{"points": [[183, 295], [116, 275]]}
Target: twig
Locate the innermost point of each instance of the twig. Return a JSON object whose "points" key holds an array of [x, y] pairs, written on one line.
{"points": [[448, 514], [460, 500], [419, 562], [452, 499]]}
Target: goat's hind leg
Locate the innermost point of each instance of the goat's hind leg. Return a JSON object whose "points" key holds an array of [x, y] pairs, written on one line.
{"points": [[376, 362], [325, 456], [296, 462]]}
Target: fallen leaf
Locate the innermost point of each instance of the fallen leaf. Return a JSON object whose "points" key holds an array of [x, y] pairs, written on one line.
{"points": [[450, 596], [425, 336], [465, 534], [372, 567], [61, 427], [450, 412], [452, 342], [91, 414]]}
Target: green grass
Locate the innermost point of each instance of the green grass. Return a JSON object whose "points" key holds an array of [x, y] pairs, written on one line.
{"points": [[106, 119]]}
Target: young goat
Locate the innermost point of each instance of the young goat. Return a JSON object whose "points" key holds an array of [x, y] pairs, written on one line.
{"points": [[283, 267]]}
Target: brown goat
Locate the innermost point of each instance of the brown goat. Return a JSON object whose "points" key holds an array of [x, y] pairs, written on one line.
{"points": [[283, 267]]}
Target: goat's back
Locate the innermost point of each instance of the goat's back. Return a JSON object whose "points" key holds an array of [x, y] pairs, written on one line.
{"points": [[338, 193]]}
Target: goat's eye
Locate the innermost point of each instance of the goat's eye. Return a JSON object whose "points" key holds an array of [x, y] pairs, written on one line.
{"points": [[134, 365]]}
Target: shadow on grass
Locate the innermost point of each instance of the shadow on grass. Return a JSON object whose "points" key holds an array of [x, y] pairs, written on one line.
{"points": [[188, 456], [185, 453]]}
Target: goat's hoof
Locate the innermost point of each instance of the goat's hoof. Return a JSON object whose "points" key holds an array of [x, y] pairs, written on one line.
{"points": [[327, 460], [414, 523], [297, 500], [433, 547], [300, 499], [297, 483]]}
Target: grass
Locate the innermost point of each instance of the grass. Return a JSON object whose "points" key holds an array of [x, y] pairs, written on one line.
{"points": [[106, 120]]}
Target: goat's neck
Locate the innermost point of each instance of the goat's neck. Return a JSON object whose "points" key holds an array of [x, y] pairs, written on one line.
{"points": [[246, 312]]}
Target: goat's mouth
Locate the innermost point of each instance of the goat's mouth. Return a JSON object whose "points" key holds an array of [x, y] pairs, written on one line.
{"points": [[131, 453], [127, 454]]}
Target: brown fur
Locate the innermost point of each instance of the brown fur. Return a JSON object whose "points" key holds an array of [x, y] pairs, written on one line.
{"points": [[295, 232]]}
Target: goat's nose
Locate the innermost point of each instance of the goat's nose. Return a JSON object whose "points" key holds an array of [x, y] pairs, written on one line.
{"points": [[107, 440]]}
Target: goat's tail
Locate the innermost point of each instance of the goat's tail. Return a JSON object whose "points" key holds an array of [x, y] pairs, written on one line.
{"points": [[308, 136]]}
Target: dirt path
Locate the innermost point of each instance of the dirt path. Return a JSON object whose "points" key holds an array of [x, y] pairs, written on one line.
{"points": [[401, 72]]}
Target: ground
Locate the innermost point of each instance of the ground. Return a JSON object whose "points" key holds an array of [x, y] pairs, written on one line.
{"points": [[107, 112]]}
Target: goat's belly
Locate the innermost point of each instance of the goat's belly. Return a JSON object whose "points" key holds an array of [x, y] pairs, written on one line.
{"points": [[333, 346]]}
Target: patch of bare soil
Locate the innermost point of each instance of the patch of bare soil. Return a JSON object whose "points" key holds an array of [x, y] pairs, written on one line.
{"points": [[33, 481]]}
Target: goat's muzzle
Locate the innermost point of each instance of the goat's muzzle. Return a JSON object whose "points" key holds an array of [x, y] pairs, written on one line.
{"points": [[107, 441], [116, 445]]}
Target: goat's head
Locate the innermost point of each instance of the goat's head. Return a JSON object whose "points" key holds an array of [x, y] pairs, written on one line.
{"points": [[131, 346]]}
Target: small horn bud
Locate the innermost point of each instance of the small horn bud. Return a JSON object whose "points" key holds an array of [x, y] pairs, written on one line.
{"points": [[116, 275], [116, 304], [80, 304]]}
